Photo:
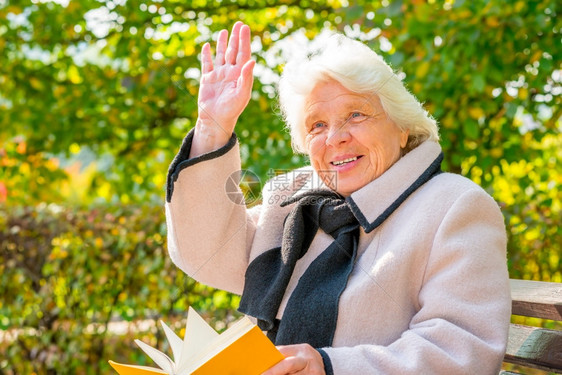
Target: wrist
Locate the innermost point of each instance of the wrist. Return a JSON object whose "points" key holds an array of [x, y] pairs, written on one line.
{"points": [[208, 137], [215, 129]]}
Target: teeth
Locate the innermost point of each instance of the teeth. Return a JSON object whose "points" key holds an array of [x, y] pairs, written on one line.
{"points": [[340, 162]]}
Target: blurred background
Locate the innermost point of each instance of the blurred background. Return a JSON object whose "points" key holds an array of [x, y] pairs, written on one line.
{"points": [[96, 96]]}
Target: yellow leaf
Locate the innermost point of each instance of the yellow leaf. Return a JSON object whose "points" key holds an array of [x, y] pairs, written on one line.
{"points": [[52, 164], [464, 14], [270, 13], [496, 152], [532, 234], [98, 242], [158, 179], [492, 22], [104, 191], [536, 56], [35, 83], [448, 122], [188, 49], [422, 69], [24, 169], [13, 9], [74, 148], [476, 112], [264, 104], [22, 147], [74, 75]]}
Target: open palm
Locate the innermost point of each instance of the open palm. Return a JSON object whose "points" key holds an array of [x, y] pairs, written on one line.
{"points": [[226, 86]]}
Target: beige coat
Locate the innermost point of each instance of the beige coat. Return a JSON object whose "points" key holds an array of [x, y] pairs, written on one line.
{"points": [[429, 293]]}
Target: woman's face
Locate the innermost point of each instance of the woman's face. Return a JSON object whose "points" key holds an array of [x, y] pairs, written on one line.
{"points": [[349, 138]]}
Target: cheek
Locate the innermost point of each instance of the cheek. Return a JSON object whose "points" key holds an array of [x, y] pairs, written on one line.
{"points": [[315, 147], [316, 150], [383, 137], [385, 153], [391, 154]]}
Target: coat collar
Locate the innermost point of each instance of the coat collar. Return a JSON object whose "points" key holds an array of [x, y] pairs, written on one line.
{"points": [[373, 203]]}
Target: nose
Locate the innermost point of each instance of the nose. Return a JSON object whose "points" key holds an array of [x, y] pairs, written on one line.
{"points": [[337, 135]]}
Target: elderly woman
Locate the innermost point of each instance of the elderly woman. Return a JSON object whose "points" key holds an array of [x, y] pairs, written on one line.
{"points": [[371, 260]]}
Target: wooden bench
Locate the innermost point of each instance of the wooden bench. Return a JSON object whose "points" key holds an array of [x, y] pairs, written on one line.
{"points": [[534, 347]]}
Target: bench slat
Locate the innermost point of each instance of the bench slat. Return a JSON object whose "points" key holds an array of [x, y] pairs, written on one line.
{"points": [[534, 347], [538, 299]]}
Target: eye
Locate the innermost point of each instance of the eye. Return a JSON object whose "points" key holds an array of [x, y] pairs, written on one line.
{"points": [[356, 117], [317, 127]]}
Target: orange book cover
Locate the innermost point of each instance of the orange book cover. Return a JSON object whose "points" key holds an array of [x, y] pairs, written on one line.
{"points": [[243, 349], [123, 369], [253, 353]]}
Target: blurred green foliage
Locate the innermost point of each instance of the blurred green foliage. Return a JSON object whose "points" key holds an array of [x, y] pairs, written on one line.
{"points": [[96, 96], [67, 274]]}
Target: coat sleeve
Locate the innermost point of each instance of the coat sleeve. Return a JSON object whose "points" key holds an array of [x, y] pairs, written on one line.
{"points": [[210, 231], [462, 321]]}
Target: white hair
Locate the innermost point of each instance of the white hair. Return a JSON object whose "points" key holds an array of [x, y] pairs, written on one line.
{"points": [[358, 69]]}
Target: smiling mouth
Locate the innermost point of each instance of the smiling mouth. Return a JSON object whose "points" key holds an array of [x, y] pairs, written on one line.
{"points": [[345, 161]]}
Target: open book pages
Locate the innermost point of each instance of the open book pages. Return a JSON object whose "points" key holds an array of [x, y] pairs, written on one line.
{"points": [[203, 351]]}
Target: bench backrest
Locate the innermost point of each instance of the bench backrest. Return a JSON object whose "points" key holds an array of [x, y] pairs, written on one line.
{"points": [[535, 347]]}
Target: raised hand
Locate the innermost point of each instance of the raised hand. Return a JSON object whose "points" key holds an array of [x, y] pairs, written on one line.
{"points": [[225, 89]]}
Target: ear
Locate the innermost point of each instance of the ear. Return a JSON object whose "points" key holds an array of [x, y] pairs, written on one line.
{"points": [[404, 138]]}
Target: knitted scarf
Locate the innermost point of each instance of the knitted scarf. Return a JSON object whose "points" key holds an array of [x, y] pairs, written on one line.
{"points": [[316, 297], [312, 309]]}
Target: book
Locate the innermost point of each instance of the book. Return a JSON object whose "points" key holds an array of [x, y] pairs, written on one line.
{"points": [[243, 349]]}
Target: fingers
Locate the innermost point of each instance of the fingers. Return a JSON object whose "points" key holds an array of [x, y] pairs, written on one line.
{"points": [[246, 79], [206, 59], [287, 366], [290, 350], [244, 47], [299, 359], [232, 49], [221, 48], [236, 51]]}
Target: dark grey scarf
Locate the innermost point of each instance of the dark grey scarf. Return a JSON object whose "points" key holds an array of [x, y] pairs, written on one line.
{"points": [[312, 309], [316, 297]]}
